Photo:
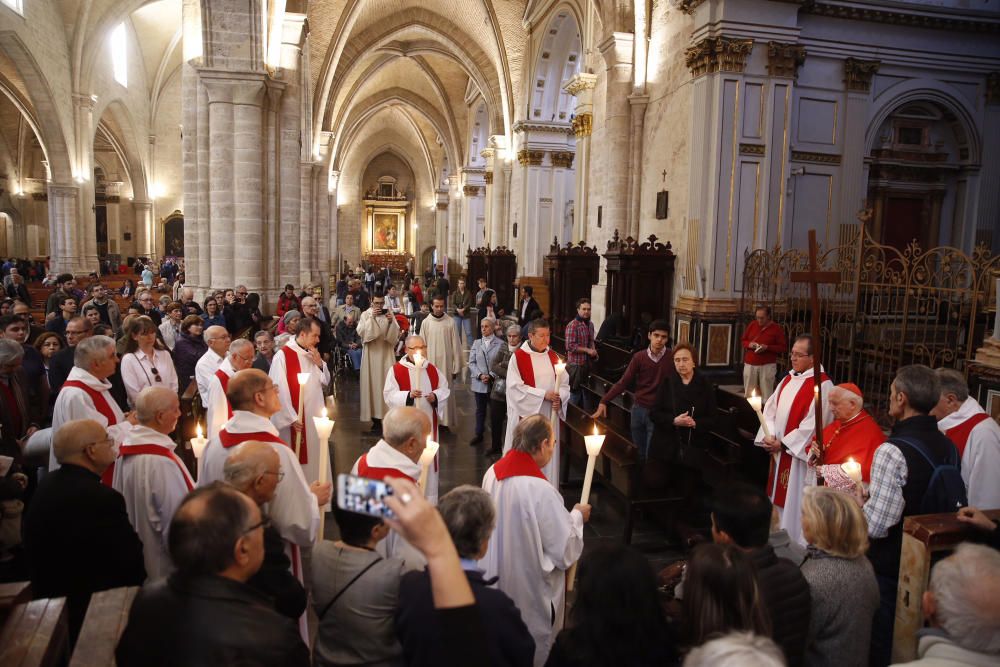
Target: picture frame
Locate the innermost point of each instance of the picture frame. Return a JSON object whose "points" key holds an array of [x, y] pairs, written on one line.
{"points": [[720, 338], [387, 231]]}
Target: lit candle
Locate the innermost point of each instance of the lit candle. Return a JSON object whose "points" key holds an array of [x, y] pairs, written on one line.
{"points": [[198, 443], [852, 469], [303, 378], [415, 374], [560, 368], [426, 459], [593, 443], [324, 427], [755, 403]]}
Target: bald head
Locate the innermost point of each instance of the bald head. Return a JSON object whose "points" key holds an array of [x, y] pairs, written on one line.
{"points": [[218, 339], [76, 442], [244, 387], [158, 408], [406, 429], [253, 468]]}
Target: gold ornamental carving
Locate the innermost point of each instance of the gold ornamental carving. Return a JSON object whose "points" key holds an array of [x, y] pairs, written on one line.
{"points": [[858, 74], [688, 6], [583, 124], [817, 158], [562, 159], [528, 158], [471, 190], [488, 177], [785, 59], [752, 149], [718, 54]]}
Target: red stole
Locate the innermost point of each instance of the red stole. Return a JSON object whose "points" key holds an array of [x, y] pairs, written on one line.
{"points": [[525, 368], [152, 450], [292, 369], [960, 434], [804, 401], [228, 440], [516, 463], [97, 398], [402, 375], [12, 408], [224, 381], [371, 472], [858, 438]]}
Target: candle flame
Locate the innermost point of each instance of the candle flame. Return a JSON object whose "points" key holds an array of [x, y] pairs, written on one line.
{"points": [[595, 428], [325, 413], [303, 378], [850, 459], [198, 430], [816, 390]]}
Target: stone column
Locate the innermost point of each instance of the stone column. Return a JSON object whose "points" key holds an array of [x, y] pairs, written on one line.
{"points": [[333, 182], [143, 221], [582, 87], [858, 76], [637, 105], [530, 243], [112, 198], [488, 189], [617, 53], [454, 219], [441, 224]]}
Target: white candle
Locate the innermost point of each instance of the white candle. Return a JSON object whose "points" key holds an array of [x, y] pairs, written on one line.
{"points": [[852, 469], [303, 378], [426, 459], [755, 403], [198, 443], [415, 374], [560, 368], [324, 427], [593, 443]]}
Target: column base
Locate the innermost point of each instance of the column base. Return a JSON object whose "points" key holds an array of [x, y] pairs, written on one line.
{"points": [[713, 327]]}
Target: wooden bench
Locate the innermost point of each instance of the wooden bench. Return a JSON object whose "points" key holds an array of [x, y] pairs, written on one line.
{"points": [[36, 634], [103, 625], [11, 595], [925, 537], [192, 414]]}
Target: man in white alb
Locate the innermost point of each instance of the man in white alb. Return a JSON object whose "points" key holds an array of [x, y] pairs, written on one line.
{"points": [[218, 340], [217, 409], [444, 350], [379, 334]]}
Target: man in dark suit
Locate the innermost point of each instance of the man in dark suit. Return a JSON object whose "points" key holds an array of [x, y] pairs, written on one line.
{"points": [[528, 310], [76, 531], [470, 516], [205, 613], [254, 469]]}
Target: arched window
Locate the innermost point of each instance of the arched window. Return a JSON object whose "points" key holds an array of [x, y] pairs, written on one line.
{"points": [[119, 54], [16, 5]]}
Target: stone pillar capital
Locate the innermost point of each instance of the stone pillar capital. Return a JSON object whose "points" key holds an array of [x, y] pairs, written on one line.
{"points": [[784, 59], [84, 101], [616, 49], [141, 205], [63, 190], [718, 54], [858, 74]]}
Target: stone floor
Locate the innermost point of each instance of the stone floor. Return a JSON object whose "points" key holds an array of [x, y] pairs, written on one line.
{"points": [[464, 464]]}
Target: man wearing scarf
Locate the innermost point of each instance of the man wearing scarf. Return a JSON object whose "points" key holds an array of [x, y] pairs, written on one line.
{"points": [[853, 434]]}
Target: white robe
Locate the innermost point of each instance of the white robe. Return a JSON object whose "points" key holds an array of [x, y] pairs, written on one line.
{"points": [[217, 406], [797, 444], [534, 542], [203, 371], [524, 401], [293, 510], [153, 487], [313, 405], [379, 336], [444, 350], [73, 403], [384, 455], [981, 458], [396, 397]]}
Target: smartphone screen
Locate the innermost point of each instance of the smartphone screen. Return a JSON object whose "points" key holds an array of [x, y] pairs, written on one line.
{"points": [[363, 495]]}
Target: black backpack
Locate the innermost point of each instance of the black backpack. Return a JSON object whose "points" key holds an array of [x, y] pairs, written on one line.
{"points": [[946, 491]]}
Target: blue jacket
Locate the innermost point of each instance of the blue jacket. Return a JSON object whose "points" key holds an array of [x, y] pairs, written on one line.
{"points": [[480, 359]]}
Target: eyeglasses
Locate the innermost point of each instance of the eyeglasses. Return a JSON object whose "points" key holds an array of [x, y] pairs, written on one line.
{"points": [[265, 523], [798, 355], [280, 474], [107, 441]]}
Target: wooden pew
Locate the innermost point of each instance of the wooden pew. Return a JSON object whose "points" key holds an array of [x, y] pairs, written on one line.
{"points": [[36, 634], [11, 595], [925, 537], [103, 625], [192, 414]]}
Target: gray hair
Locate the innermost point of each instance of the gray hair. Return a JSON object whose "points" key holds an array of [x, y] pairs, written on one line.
{"points": [[90, 350], [536, 324], [244, 464], [530, 432], [237, 345], [260, 335], [402, 423], [921, 386], [737, 649], [411, 337], [841, 394], [11, 352], [152, 400], [470, 516], [513, 328], [70, 439], [493, 322], [966, 586], [953, 382]]}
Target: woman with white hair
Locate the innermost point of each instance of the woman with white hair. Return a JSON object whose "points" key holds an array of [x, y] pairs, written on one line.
{"points": [[853, 434], [484, 351]]}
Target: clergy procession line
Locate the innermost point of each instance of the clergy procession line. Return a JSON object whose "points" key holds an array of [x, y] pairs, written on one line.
{"points": [[119, 497]]}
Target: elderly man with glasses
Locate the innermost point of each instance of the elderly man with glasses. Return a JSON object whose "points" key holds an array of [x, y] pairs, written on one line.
{"points": [[218, 340], [146, 304], [379, 332], [218, 410]]}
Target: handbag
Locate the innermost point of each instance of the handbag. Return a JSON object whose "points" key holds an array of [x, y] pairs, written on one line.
{"points": [[577, 373]]}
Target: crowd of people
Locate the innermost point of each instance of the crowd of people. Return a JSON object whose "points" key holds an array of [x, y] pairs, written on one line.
{"points": [[230, 555]]}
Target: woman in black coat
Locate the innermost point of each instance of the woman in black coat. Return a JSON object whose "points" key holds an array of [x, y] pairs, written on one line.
{"points": [[685, 411]]}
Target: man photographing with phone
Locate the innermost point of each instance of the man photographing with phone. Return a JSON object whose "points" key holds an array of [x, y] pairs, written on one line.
{"points": [[379, 333]]}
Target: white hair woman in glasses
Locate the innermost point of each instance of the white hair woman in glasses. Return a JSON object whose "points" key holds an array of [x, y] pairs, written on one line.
{"points": [[145, 361]]}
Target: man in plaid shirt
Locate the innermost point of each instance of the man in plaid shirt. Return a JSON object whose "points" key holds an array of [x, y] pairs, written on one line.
{"points": [[580, 346]]}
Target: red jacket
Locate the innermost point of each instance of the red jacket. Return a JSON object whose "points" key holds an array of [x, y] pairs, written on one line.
{"points": [[771, 335]]}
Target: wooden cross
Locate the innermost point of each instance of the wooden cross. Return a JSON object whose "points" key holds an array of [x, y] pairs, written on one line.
{"points": [[664, 175], [814, 277]]}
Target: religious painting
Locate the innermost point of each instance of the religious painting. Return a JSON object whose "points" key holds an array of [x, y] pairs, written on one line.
{"points": [[683, 331], [173, 235], [719, 340], [993, 404], [387, 232]]}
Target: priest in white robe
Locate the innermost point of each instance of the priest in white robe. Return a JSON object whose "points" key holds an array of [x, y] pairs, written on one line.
{"points": [[397, 454], [379, 334], [790, 414], [217, 409], [426, 389], [218, 340], [151, 477], [535, 540], [301, 356], [295, 507], [444, 350], [531, 383], [86, 392]]}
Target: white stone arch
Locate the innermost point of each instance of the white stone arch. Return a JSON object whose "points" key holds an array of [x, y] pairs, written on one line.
{"points": [[127, 146], [558, 58], [479, 133]]}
